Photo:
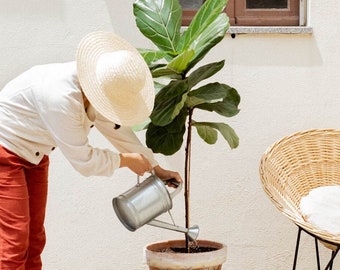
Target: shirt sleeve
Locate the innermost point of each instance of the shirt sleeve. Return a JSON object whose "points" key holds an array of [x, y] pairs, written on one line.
{"points": [[123, 138], [64, 116]]}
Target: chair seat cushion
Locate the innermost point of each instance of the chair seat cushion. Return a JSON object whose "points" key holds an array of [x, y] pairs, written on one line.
{"points": [[321, 207]]}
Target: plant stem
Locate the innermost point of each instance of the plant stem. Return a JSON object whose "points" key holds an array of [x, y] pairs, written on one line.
{"points": [[187, 178]]}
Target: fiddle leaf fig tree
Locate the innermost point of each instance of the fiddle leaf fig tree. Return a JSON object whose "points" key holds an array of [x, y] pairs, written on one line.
{"points": [[174, 63]]}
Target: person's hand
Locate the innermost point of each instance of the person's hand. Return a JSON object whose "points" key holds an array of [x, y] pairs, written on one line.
{"points": [[135, 162], [167, 174]]}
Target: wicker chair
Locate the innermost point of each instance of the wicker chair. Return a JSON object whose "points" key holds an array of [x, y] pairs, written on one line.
{"points": [[293, 166]]}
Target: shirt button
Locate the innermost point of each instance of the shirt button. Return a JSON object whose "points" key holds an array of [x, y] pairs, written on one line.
{"points": [[91, 126], [37, 153], [52, 148]]}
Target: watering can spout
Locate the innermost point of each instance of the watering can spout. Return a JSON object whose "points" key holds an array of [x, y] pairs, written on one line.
{"points": [[192, 232]]}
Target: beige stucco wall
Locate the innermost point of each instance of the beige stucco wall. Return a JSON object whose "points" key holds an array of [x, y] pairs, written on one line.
{"points": [[287, 83]]}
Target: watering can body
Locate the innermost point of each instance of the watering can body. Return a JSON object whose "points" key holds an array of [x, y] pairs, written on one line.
{"points": [[144, 202]]}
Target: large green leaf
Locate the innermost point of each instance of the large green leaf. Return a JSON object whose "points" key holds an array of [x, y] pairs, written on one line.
{"points": [[208, 134], [208, 93], [167, 139], [160, 21], [204, 72], [206, 15], [227, 107], [227, 132], [181, 62], [207, 28], [169, 102], [212, 35], [151, 56], [162, 70]]}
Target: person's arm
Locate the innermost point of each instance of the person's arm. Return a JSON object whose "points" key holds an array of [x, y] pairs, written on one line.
{"points": [[136, 162], [123, 139], [167, 174], [126, 141]]}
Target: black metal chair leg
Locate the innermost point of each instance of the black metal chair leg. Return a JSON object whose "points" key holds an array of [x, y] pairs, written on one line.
{"points": [[334, 253], [317, 253], [330, 263], [297, 248]]}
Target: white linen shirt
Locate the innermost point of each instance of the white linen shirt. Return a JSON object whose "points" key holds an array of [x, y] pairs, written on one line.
{"points": [[43, 108]]}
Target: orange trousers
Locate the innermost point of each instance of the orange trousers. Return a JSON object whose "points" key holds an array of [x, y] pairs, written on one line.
{"points": [[23, 195]]}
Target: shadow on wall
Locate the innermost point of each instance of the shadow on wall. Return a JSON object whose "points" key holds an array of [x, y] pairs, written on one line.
{"points": [[124, 24], [121, 14], [275, 50]]}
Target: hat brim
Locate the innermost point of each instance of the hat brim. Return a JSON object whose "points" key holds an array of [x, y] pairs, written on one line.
{"points": [[126, 112]]}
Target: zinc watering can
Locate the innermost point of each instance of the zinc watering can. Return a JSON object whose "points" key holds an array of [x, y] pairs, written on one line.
{"points": [[147, 200]]}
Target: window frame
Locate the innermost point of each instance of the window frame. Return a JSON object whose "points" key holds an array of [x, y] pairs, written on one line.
{"points": [[267, 17], [239, 15]]}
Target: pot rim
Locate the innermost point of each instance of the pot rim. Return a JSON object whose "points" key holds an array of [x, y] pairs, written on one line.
{"points": [[174, 260]]}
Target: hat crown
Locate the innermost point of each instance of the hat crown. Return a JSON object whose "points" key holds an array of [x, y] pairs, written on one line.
{"points": [[115, 78], [120, 73]]}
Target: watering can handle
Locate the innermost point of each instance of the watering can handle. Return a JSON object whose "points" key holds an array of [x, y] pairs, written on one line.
{"points": [[178, 188]]}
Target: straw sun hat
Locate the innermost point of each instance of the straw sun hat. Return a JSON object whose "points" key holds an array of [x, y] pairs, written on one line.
{"points": [[115, 78]]}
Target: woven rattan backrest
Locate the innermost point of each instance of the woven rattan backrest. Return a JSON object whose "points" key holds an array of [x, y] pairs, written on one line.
{"points": [[296, 164]]}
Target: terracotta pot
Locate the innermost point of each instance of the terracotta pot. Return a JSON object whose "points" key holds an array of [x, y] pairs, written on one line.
{"points": [[211, 260]]}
